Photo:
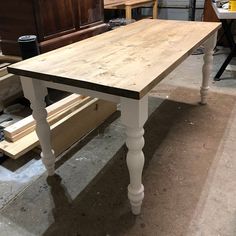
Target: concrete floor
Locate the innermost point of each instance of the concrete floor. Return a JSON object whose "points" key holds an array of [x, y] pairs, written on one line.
{"points": [[189, 177]]}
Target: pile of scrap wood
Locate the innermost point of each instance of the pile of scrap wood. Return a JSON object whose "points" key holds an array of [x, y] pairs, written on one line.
{"points": [[70, 119]]}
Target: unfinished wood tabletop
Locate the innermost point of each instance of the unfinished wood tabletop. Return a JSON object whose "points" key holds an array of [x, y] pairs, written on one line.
{"points": [[127, 62]]}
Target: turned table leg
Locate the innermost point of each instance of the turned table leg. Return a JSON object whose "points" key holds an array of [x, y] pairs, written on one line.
{"points": [[35, 92], [209, 46], [134, 114]]}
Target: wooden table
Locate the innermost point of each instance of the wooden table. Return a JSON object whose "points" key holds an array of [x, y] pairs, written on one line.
{"points": [[122, 65], [128, 5], [226, 17]]}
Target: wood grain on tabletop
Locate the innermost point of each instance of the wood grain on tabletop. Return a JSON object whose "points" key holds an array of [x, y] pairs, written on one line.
{"points": [[128, 61]]}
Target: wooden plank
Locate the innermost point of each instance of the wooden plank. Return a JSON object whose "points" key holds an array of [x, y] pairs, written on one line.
{"points": [[74, 127], [55, 111], [66, 131], [29, 122], [51, 119], [10, 88], [9, 59], [3, 71], [9, 77], [2, 65], [137, 57]]}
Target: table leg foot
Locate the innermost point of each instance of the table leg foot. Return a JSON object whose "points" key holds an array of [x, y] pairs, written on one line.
{"points": [[133, 115], [204, 93], [49, 162], [135, 163], [136, 199]]}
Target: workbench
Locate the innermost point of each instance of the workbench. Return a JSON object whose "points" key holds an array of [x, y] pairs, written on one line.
{"points": [[226, 17], [128, 5], [122, 66]]}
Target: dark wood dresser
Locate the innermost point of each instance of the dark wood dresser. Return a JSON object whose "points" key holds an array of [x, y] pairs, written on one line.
{"points": [[55, 22]]}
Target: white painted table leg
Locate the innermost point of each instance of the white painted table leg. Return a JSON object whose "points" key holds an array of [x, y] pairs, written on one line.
{"points": [[134, 114], [35, 92], [209, 46]]}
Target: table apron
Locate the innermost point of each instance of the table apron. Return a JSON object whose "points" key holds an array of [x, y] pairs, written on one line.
{"points": [[82, 91]]}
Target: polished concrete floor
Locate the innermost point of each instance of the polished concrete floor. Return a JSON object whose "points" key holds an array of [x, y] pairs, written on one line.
{"points": [[88, 196]]}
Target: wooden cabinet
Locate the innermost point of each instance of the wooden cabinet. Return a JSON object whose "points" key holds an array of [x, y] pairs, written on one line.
{"points": [[55, 22], [90, 11], [54, 17]]}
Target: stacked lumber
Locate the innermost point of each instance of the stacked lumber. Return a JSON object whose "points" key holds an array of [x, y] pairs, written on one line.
{"points": [[10, 86], [9, 59], [55, 112], [3, 68], [70, 119]]}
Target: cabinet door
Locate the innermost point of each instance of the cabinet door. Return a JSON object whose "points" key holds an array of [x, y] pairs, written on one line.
{"points": [[16, 19], [90, 11], [54, 18]]}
